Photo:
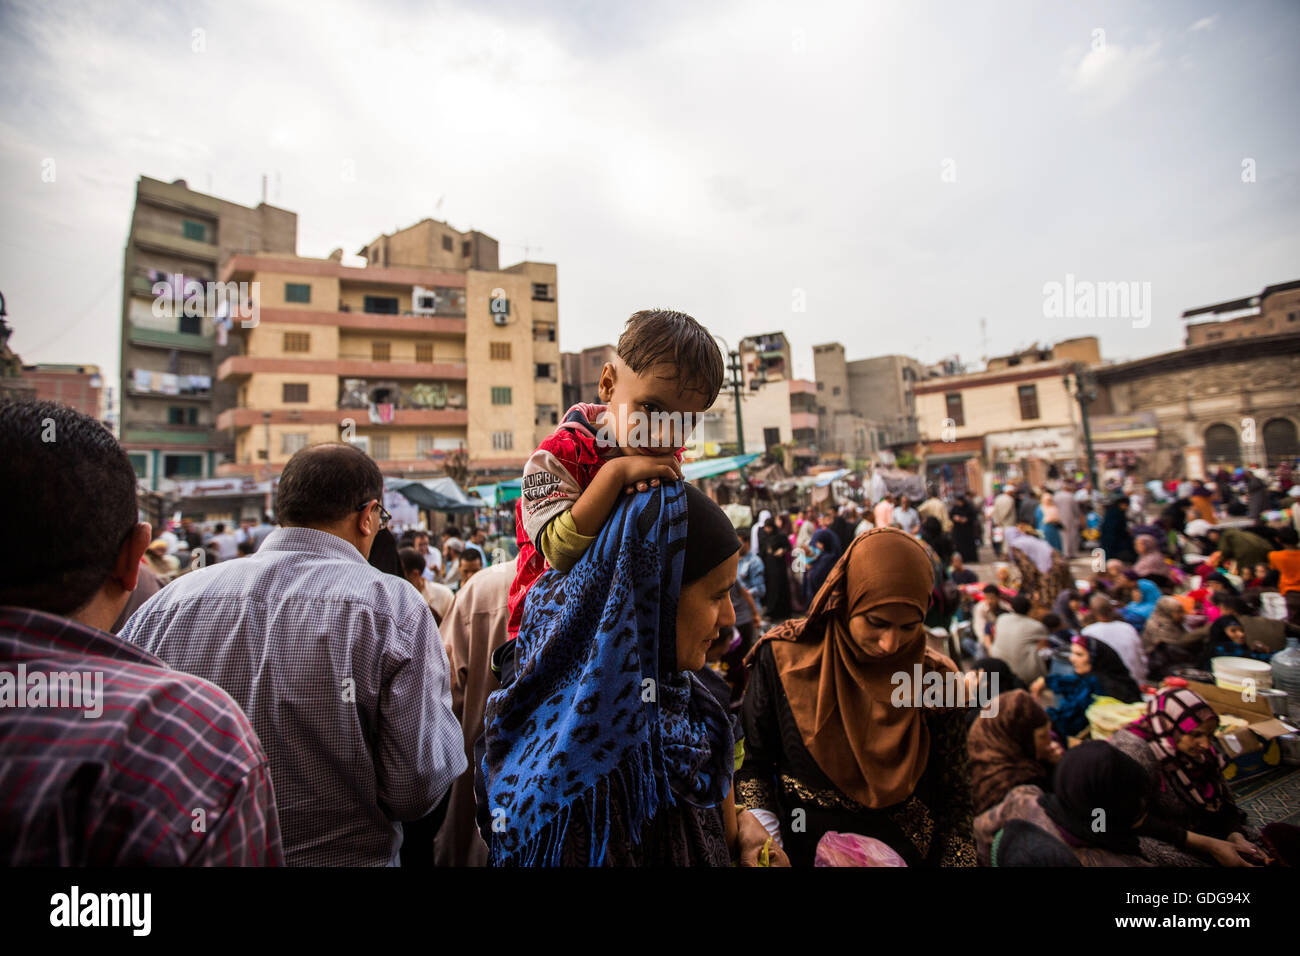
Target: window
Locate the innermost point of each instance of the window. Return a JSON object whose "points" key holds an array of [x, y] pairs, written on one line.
{"points": [[293, 392], [835, 390], [427, 302], [379, 447], [447, 244], [381, 352], [821, 386], [500, 350], [190, 324], [195, 230], [297, 292], [182, 466], [297, 341], [424, 352], [503, 441], [771, 436], [182, 416], [954, 408], [500, 395], [141, 465], [380, 304], [541, 292], [1028, 401], [385, 257], [423, 446], [291, 442], [466, 248], [544, 370]]}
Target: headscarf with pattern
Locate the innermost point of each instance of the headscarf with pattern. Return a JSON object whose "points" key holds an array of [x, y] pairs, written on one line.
{"points": [[839, 691], [1170, 715]]}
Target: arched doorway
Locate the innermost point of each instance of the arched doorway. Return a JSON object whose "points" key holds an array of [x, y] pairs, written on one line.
{"points": [[1221, 445], [1281, 443]]}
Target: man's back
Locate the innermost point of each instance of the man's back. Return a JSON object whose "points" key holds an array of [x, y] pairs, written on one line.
{"points": [[130, 764], [341, 671], [1015, 640]]}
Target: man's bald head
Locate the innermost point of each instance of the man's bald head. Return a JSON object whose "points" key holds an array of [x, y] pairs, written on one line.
{"points": [[1101, 607], [324, 484]]}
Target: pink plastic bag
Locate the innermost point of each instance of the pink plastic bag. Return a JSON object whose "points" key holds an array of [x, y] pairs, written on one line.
{"points": [[853, 849]]}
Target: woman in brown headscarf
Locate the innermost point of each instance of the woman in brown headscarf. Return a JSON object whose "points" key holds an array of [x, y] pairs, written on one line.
{"points": [[1010, 744], [836, 738]]}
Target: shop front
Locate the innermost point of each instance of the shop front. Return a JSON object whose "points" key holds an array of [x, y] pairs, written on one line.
{"points": [[955, 467], [1031, 455], [1126, 445]]}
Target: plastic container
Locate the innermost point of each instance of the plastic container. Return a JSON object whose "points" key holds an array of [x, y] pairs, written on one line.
{"points": [[1286, 674], [1231, 673]]}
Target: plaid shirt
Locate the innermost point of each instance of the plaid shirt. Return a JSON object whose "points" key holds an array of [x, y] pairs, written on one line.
{"points": [[343, 674], [143, 765]]}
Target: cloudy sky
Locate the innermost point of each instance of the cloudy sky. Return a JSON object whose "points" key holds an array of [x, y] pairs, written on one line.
{"points": [[881, 174]]}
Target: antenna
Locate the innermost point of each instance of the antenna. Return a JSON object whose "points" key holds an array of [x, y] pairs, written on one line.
{"points": [[984, 339], [263, 188], [525, 244]]}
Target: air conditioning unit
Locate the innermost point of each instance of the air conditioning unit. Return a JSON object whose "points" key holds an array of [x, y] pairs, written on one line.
{"points": [[424, 301], [500, 318]]}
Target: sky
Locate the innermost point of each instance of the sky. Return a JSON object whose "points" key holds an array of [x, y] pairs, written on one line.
{"points": [[899, 177]]}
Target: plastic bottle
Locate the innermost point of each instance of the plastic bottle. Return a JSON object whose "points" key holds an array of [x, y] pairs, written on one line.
{"points": [[1286, 674]]}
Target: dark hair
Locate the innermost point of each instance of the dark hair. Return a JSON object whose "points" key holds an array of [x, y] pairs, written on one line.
{"points": [[383, 553], [1289, 536], [326, 483], [992, 589], [73, 497], [655, 337], [246, 547], [1052, 622], [472, 552], [412, 560], [220, 527], [1020, 604]]}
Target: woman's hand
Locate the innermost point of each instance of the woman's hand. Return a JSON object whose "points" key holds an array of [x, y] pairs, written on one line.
{"points": [[753, 836], [1038, 686], [1246, 848], [1226, 853]]}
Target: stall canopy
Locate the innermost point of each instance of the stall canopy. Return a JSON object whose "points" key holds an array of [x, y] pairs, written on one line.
{"points": [[433, 494], [695, 470], [502, 493]]}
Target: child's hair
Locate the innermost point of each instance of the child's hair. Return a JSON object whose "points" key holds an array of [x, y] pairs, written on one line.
{"points": [[663, 337]]}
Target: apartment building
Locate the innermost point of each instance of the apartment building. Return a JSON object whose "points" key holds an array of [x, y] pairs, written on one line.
{"points": [[1275, 311], [77, 386], [1016, 419], [169, 392], [582, 373], [412, 361], [866, 405]]}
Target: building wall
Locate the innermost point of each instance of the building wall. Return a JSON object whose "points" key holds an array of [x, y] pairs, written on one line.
{"points": [[79, 387], [1187, 402], [517, 373], [994, 407]]}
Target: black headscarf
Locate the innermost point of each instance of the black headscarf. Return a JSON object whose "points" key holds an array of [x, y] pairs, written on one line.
{"points": [[710, 536], [1096, 776], [383, 553], [1113, 677], [1021, 843]]}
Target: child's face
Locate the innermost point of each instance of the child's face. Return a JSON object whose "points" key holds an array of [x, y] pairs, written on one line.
{"points": [[651, 412]]}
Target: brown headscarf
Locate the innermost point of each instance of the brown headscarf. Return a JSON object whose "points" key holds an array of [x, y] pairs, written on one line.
{"points": [[840, 693], [1001, 749]]}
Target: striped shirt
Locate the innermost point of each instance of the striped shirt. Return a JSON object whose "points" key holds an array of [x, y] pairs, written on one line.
{"points": [[110, 758], [343, 674]]}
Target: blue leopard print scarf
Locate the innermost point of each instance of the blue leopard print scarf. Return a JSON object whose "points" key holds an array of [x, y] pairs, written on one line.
{"points": [[597, 696]]}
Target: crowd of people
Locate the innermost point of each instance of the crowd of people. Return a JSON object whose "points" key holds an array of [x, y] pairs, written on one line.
{"points": [[647, 682]]}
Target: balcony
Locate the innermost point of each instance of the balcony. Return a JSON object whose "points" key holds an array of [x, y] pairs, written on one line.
{"points": [[402, 417], [440, 324], [160, 433], [345, 366], [176, 244], [169, 339], [803, 420]]}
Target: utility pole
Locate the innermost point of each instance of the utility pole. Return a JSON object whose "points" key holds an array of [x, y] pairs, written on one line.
{"points": [[1085, 393], [737, 391]]}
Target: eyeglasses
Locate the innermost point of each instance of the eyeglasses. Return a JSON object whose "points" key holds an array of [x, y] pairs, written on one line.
{"points": [[384, 516]]}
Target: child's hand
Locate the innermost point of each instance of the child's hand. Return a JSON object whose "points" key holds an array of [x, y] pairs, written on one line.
{"points": [[642, 472]]}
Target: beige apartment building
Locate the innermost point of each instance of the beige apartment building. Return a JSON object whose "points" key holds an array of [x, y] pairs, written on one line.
{"points": [[1275, 311], [411, 360], [169, 392], [1012, 421]]}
